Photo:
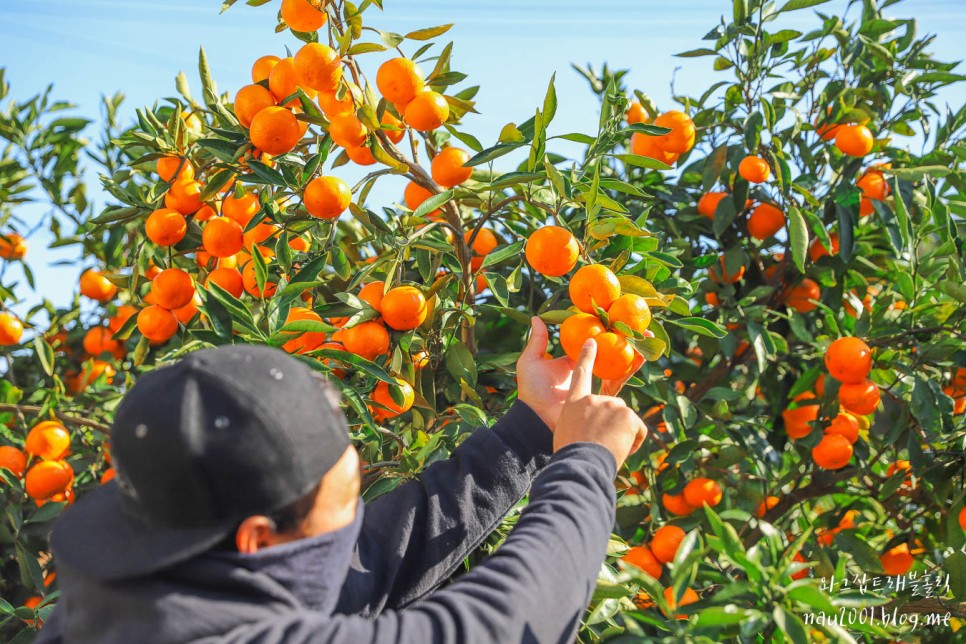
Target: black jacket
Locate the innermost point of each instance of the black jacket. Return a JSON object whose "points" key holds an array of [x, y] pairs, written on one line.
{"points": [[533, 589]]}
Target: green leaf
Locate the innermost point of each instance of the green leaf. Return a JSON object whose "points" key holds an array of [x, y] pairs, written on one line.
{"points": [[550, 102], [460, 363], [503, 253], [640, 161], [429, 32], [510, 134], [209, 92], [270, 175], [700, 325], [790, 625], [365, 48], [806, 592], [433, 203], [797, 237], [490, 154], [793, 5], [391, 39], [45, 354]]}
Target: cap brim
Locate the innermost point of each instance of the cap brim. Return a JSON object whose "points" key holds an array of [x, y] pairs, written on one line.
{"points": [[95, 537]]}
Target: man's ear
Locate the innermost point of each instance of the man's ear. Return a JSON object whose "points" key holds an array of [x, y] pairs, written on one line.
{"points": [[254, 533]]}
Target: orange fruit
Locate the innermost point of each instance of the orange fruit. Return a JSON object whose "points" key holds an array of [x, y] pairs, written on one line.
{"points": [[449, 169], [222, 237], [48, 440], [854, 140], [333, 106], [615, 356], [249, 101], [229, 279], [382, 396], [797, 419], [594, 284], [108, 475], [263, 68], [205, 213], [718, 275], [702, 491], [165, 227], [47, 478], [184, 196], [711, 298], [754, 169], [897, 560], [427, 111], [414, 195], [860, 398], [318, 67], [301, 15], [157, 324], [360, 155], [168, 166], [250, 282], [833, 452], [676, 504], [11, 329], [275, 130], [873, 185], [368, 339], [304, 340], [825, 129], [765, 220], [12, 246], [186, 313], [404, 308], [844, 425], [300, 243], [643, 558], [665, 542], [484, 242], [13, 459], [708, 203], [372, 293], [899, 466], [576, 329], [817, 251], [172, 288], [962, 518], [98, 340], [848, 360], [91, 374], [327, 197], [259, 233], [636, 113], [552, 250], [649, 146], [347, 130], [283, 82], [688, 597], [242, 209], [799, 297], [399, 80], [681, 137], [766, 505], [389, 121], [632, 310]]}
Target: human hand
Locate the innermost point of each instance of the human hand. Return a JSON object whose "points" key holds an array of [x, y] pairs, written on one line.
{"points": [[589, 418]]}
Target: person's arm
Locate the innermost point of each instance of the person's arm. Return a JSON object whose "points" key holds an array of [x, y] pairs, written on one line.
{"points": [[534, 588], [415, 537]]}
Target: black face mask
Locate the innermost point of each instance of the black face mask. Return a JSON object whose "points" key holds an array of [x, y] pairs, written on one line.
{"points": [[312, 569]]}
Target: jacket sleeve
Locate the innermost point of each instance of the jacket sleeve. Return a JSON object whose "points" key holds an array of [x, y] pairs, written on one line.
{"points": [[415, 537], [533, 589]]}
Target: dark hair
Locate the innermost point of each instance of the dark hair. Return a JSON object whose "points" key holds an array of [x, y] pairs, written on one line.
{"points": [[286, 518]]}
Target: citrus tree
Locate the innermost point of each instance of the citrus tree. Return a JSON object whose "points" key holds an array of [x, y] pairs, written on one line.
{"points": [[778, 270]]}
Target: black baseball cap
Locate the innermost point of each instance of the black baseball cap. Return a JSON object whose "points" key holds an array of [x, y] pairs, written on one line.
{"points": [[197, 446]]}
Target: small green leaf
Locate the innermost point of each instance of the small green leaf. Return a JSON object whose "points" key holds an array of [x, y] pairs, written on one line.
{"points": [[797, 237]]}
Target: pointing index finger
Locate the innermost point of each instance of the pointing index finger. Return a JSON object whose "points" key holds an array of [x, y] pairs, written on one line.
{"points": [[583, 378]]}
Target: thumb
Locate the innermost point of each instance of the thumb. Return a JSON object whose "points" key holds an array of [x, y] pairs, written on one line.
{"points": [[537, 343], [583, 378]]}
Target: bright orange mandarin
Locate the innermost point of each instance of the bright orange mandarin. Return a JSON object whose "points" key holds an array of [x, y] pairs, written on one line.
{"points": [[229, 279], [165, 227], [259, 233], [427, 111], [304, 340], [702, 491], [394, 128], [399, 80], [754, 169], [13, 459], [168, 166], [854, 140], [204, 214], [382, 396], [873, 185], [242, 209], [848, 360], [817, 251], [120, 318], [649, 146], [636, 113], [360, 155], [94, 285], [594, 284], [47, 478], [708, 203], [799, 297], [301, 15], [552, 250], [249, 101], [484, 243], [860, 398], [48, 440], [448, 167], [318, 67], [263, 68], [846, 425], [372, 293], [12, 246], [250, 282], [665, 542], [719, 275], [98, 340], [11, 329], [632, 310], [172, 288], [962, 518], [333, 106], [681, 137], [414, 195], [368, 339], [676, 504], [222, 237], [688, 597], [404, 308], [643, 558], [275, 130], [184, 196], [797, 419], [284, 81], [327, 197], [897, 560], [186, 313], [347, 130], [615, 356], [765, 220], [577, 329], [833, 452], [767, 504]]}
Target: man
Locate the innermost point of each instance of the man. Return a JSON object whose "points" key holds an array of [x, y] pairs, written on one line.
{"points": [[236, 517]]}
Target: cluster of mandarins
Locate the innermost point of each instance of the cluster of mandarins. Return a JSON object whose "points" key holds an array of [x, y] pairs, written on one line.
{"points": [[651, 558], [46, 475], [13, 247], [666, 148]]}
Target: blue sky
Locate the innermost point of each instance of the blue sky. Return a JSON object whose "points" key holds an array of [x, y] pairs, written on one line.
{"points": [[510, 48]]}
